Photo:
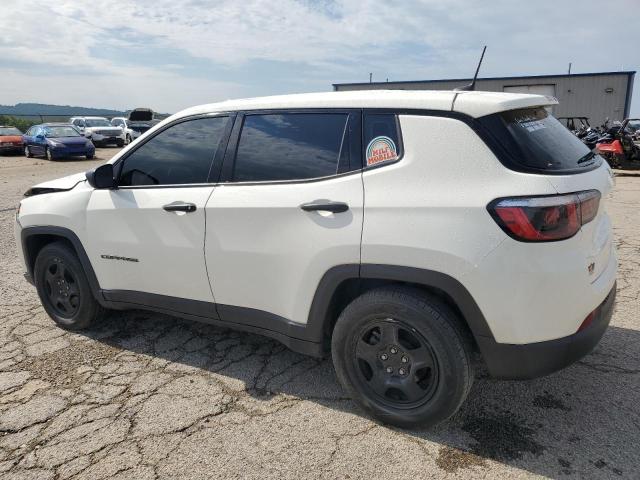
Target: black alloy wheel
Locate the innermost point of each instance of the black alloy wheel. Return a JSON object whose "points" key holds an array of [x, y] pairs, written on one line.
{"points": [[61, 287], [396, 363], [403, 355]]}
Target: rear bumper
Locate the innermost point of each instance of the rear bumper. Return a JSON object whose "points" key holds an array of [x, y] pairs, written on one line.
{"points": [[522, 362], [10, 148]]}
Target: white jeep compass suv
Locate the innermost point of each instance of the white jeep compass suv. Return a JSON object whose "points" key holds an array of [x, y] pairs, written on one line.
{"points": [[412, 234]]}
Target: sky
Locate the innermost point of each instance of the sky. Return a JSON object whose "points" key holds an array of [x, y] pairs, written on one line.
{"points": [[172, 54]]}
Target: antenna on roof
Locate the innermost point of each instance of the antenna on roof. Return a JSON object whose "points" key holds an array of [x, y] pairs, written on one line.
{"points": [[472, 85]]}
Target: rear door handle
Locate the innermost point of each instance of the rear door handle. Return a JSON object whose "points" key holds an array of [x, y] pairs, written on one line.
{"points": [[180, 207], [333, 207]]}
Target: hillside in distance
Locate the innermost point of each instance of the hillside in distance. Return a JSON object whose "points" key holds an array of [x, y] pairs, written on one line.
{"points": [[54, 110]]}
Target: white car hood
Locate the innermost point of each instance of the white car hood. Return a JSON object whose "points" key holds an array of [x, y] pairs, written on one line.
{"points": [[60, 184]]}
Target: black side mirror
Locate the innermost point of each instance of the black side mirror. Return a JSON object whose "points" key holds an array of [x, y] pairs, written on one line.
{"points": [[101, 177]]}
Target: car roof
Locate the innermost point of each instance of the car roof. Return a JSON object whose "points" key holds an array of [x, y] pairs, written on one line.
{"points": [[472, 103]]}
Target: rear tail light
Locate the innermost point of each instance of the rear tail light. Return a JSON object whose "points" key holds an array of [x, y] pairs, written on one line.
{"points": [[545, 219]]}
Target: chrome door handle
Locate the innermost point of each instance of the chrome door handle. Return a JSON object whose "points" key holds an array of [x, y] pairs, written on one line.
{"points": [[180, 207]]}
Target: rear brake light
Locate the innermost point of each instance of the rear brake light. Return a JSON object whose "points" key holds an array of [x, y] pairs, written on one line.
{"points": [[545, 219], [589, 203]]}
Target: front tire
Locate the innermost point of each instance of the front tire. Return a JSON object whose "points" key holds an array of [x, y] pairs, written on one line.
{"points": [[402, 355], [128, 139], [48, 154], [120, 143], [63, 288], [27, 152]]}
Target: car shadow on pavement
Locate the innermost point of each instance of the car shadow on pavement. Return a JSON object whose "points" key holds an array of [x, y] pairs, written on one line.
{"points": [[582, 421]]}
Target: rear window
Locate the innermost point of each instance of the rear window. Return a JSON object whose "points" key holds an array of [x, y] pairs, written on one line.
{"points": [[536, 141]]}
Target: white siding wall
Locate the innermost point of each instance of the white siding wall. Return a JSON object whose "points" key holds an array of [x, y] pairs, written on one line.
{"points": [[579, 96]]}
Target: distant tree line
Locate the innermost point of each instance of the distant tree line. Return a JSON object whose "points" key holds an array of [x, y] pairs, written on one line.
{"points": [[22, 124]]}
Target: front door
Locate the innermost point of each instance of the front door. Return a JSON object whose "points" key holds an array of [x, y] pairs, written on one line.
{"points": [[148, 234], [289, 209]]}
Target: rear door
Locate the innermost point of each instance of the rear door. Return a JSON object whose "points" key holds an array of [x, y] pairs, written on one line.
{"points": [[28, 137], [38, 142], [148, 234], [289, 208]]}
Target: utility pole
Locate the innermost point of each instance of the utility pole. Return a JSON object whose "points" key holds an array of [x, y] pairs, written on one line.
{"points": [[370, 77], [569, 73]]}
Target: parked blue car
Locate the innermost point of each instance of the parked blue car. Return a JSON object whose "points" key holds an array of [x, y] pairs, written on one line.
{"points": [[56, 140]]}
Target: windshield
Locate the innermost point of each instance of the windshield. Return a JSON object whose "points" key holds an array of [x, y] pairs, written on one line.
{"points": [[97, 122], [10, 131], [535, 140], [63, 131], [633, 125]]}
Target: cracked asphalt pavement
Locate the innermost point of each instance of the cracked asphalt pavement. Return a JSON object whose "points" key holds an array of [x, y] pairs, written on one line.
{"points": [[145, 396]]}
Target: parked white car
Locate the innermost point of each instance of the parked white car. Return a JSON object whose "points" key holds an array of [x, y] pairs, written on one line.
{"points": [[132, 129], [99, 130], [411, 234]]}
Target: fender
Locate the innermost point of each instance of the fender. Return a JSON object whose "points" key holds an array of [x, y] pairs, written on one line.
{"points": [[430, 278], [28, 232], [318, 314]]}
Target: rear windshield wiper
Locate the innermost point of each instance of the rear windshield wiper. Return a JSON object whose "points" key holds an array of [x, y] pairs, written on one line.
{"points": [[586, 158]]}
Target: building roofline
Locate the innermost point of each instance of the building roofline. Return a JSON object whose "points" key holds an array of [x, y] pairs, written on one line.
{"points": [[564, 75]]}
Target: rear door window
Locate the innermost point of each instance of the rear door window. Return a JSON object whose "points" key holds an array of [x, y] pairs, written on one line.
{"points": [[291, 146], [536, 141], [381, 139]]}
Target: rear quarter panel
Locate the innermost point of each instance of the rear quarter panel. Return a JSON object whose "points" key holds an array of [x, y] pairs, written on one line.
{"points": [[429, 210]]}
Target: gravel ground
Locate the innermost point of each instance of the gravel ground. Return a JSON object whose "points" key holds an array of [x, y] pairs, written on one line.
{"points": [[149, 396]]}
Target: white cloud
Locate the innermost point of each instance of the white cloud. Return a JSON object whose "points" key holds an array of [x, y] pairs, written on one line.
{"points": [[316, 42]]}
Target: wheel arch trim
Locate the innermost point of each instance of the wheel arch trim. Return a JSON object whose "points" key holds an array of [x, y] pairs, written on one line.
{"points": [[64, 233], [330, 282]]}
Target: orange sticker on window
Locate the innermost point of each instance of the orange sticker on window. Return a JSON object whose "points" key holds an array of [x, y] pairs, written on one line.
{"points": [[381, 149]]}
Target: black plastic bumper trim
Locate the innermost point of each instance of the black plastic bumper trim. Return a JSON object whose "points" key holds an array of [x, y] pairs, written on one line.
{"points": [[523, 362]]}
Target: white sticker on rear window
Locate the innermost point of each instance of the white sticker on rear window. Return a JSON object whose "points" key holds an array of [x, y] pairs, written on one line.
{"points": [[381, 149], [533, 125]]}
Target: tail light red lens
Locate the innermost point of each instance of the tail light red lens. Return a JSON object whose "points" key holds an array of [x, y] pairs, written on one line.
{"points": [[545, 219]]}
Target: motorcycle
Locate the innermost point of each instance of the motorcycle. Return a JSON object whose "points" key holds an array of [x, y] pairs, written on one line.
{"points": [[620, 145]]}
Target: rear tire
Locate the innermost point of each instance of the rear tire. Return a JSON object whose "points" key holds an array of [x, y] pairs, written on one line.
{"points": [[63, 288], [403, 356]]}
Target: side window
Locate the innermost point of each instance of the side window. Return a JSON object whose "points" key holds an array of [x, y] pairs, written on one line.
{"points": [[291, 146], [181, 154], [381, 138]]}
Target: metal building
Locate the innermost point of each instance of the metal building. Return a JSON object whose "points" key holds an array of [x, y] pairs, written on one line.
{"points": [[594, 95]]}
